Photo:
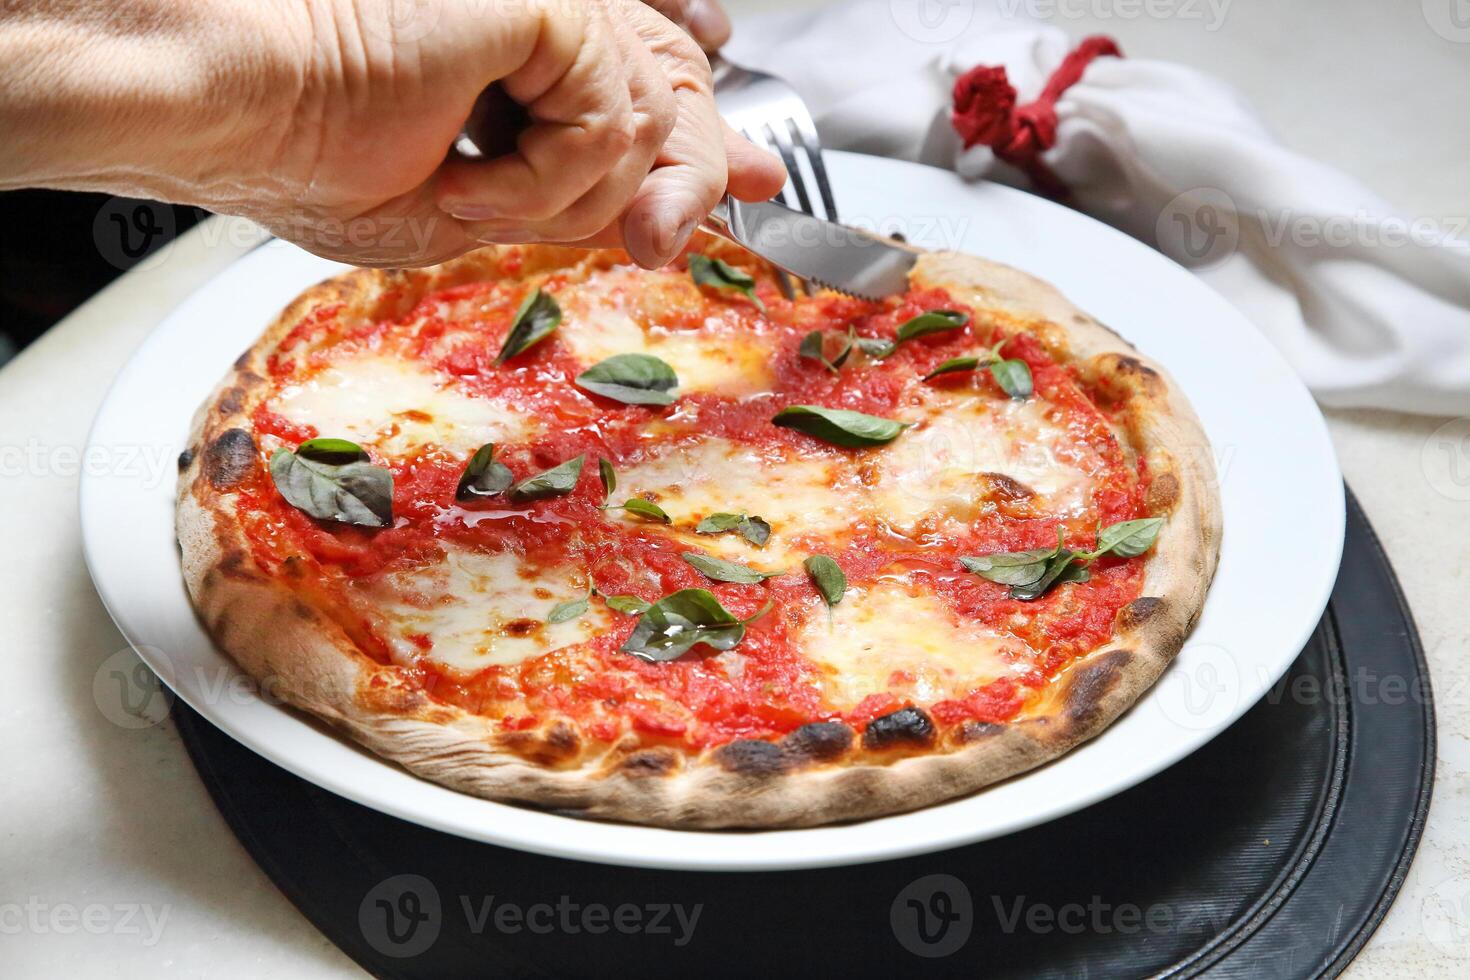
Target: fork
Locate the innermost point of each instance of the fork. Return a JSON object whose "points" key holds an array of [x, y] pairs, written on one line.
{"points": [[769, 113]]}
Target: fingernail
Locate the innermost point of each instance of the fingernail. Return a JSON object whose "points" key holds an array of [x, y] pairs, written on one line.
{"points": [[504, 236], [468, 211], [655, 233], [708, 23]]}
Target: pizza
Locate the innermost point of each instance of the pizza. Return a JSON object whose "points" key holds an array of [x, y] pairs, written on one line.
{"points": [[669, 547]]}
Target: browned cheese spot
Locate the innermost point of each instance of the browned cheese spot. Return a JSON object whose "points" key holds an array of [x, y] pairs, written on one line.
{"points": [[521, 627], [1006, 487]]}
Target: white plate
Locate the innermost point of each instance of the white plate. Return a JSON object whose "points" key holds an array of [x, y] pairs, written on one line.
{"points": [[1280, 484]]}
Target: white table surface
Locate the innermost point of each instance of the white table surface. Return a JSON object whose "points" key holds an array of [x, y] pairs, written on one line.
{"points": [[114, 861]]}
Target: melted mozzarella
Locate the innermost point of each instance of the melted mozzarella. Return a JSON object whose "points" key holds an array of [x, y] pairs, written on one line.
{"points": [[480, 610], [397, 406], [720, 356], [876, 632], [691, 480], [944, 466]]}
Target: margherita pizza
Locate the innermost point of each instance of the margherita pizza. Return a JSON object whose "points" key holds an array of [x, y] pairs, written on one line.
{"points": [[666, 547]]}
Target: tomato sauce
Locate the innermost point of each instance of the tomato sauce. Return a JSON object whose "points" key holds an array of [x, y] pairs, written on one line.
{"points": [[699, 699]]}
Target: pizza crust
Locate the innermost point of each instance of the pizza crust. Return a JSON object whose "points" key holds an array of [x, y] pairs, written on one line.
{"points": [[300, 655]]}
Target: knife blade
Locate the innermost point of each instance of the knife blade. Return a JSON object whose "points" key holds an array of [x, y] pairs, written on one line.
{"points": [[848, 260]]}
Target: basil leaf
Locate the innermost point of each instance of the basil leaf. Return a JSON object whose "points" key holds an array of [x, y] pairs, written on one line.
{"points": [[848, 342], [609, 478], [719, 523], [753, 529], [953, 365], [1075, 573], [1055, 567], [673, 624], [350, 492], [1013, 376], [1031, 573], [1011, 567], [1128, 538], [483, 477], [630, 604], [643, 508], [634, 379], [718, 274], [727, 571], [828, 577], [934, 321], [328, 450], [535, 319], [840, 426], [876, 346], [571, 609], [558, 481], [814, 347]]}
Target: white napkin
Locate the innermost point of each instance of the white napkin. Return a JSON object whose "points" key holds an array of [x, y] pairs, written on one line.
{"points": [[1370, 307]]}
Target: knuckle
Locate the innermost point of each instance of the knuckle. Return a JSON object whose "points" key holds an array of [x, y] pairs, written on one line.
{"points": [[543, 207], [584, 223], [620, 135], [659, 117], [692, 69]]}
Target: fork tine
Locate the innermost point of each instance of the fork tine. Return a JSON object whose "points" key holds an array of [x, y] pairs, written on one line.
{"points": [[783, 146], [783, 280], [804, 134]]}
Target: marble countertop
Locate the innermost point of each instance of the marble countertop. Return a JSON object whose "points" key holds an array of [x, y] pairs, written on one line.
{"points": [[113, 857]]}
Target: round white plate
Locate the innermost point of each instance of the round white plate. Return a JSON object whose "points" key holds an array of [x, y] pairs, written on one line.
{"points": [[1282, 493]]}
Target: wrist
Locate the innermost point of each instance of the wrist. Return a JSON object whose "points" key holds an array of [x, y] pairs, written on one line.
{"points": [[163, 100]]}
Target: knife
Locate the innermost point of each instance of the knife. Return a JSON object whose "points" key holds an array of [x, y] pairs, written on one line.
{"points": [[846, 259]]}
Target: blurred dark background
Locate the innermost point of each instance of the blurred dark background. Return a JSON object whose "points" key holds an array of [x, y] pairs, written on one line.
{"points": [[59, 248]]}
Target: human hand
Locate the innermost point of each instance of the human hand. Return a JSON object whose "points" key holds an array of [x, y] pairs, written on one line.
{"points": [[706, 20], [332, 124]]}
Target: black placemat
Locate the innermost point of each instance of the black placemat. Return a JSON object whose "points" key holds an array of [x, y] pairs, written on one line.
{"points": [[1274, 851]]}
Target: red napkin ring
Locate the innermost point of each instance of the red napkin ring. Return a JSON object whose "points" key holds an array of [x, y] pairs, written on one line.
{"points": [[985, 111]]}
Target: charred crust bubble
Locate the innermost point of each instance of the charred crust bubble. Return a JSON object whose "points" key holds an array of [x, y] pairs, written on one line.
{"points": [[231, 561], [1139, 611], [977, 731], [1137, 375], [185, 458], [1090, 684], [1128, 364], [752, 757], [819, 741], [649, 762], [562, 740], [230, 458], [904, 727], [231, 401]]}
